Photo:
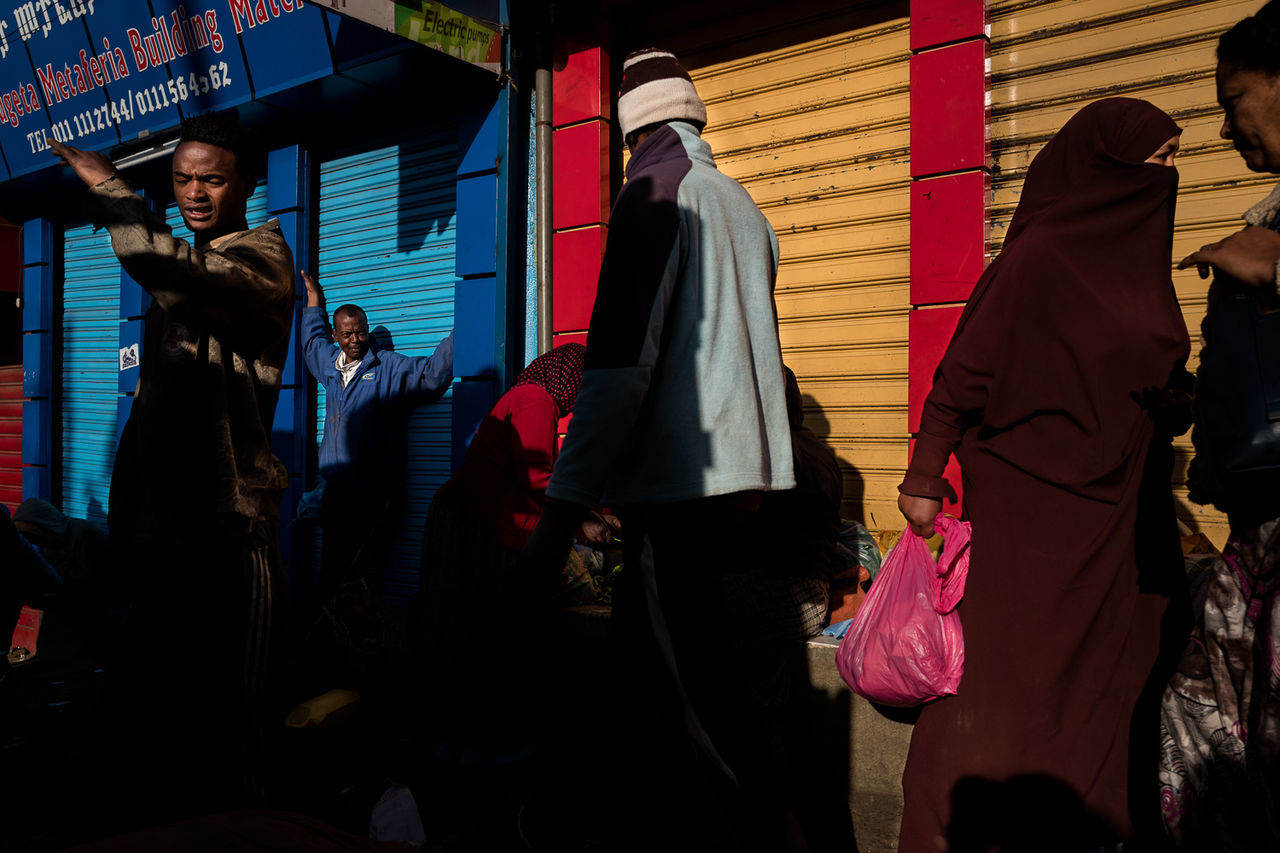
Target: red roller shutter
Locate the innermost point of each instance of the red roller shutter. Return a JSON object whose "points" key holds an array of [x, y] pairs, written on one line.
{"points": [[11, 435]]}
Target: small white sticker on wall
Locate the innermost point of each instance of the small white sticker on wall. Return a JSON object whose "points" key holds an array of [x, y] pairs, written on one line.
{"points": [[128, 357]]}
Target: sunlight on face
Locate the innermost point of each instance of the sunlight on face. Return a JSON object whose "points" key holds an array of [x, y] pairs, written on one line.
{"points": [[1165, 153]]}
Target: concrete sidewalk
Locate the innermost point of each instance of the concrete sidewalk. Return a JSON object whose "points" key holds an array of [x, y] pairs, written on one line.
{"points": [[876, 746]]}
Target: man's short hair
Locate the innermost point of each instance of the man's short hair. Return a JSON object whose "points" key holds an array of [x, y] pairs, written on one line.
{"points": [[223, 130], [1253, 44], [352, 310]]}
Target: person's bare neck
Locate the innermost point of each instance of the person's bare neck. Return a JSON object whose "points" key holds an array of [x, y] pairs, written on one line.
{"points": [[204, 238]]}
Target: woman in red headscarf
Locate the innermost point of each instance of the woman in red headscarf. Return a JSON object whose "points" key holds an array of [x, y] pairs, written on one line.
{"points": [[477, 525], [482, 517], [1055, 395], [508, 464]]}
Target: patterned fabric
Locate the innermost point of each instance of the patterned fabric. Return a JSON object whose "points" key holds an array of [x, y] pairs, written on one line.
{"points": [[559, 372], [770, 610], [1220, 715]]}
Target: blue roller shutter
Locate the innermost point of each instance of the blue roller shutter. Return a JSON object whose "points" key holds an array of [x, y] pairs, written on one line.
{"points": [[90, 364], [386, 236]]}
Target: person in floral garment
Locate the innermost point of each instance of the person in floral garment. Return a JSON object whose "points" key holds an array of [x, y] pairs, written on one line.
{"points": [[1220, 714]]}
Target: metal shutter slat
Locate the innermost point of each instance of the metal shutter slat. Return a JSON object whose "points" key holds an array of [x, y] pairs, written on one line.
{"points": [[89, 371], [818, 133]]}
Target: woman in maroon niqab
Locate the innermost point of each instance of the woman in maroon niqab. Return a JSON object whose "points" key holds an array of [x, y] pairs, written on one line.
{"points": [[1043, 395]]}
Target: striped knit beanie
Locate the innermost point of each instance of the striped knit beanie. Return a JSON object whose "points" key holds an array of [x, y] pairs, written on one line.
{"points": [[656, 88]]}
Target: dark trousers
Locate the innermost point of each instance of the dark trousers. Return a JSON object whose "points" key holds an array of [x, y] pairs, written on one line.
{"points": [[485, 685], [190, 680], [706, 763], [356, 526]]}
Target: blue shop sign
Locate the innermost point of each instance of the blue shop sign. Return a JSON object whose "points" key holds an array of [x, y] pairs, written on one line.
{"points": [[130, 115], [97, 73]]}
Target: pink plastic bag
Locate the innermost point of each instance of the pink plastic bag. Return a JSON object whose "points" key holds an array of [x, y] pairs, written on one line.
{"points": [[905, 645]]}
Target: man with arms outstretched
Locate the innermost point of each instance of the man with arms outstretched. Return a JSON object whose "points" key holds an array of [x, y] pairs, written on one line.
{"points": [[195, 489]]}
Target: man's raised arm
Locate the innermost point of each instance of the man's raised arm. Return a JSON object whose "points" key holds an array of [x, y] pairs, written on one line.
{"points": [[237, 273]]}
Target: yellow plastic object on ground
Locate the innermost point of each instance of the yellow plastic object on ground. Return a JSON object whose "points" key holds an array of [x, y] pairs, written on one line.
{"points": [[886, 539], [328, 710], [1197, 543]]}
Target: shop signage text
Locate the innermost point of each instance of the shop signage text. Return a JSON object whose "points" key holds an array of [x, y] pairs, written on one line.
{"points": [[96, 73]]}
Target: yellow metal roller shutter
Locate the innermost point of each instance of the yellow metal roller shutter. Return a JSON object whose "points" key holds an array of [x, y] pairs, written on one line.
{"points": [[817, 132], [1048, 59]]}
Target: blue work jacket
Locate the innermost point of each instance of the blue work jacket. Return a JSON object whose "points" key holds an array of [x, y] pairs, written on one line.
{"points": [[364, 423]]}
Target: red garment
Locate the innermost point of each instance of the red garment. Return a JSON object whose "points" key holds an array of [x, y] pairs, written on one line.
{"points": [[508, 465], [1041, 395]]}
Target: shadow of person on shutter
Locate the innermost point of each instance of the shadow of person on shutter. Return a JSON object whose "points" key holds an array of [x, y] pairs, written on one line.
{"points": [[424, 213]]}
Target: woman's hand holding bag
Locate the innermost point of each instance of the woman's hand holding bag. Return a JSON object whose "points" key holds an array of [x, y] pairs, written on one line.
{"points": [[905, 645]]}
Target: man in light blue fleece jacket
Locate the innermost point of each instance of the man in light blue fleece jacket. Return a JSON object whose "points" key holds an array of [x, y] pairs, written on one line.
{"points": [[368, 392], [680, 426]]}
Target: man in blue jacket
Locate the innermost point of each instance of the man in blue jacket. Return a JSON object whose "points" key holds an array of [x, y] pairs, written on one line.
{"points": [[368, 393]]}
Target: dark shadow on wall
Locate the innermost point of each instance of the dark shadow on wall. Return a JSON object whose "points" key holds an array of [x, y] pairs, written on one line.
{"points": [[699, 34], [382, 338], [816, 419], [854, 485], [95, 512], [427, 205]]}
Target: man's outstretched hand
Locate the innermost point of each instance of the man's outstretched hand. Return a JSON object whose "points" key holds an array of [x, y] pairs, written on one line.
{"points": [[315, 296], [91, 167], [1249, 256]]}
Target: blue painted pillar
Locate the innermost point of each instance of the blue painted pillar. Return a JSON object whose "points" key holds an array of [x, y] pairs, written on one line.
{"points": [[484, 268], [289, 199], [38, 272]]}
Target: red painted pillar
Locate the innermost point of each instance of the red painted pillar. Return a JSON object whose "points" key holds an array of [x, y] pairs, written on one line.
{"points": [[580, 184], [950, 169]]}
